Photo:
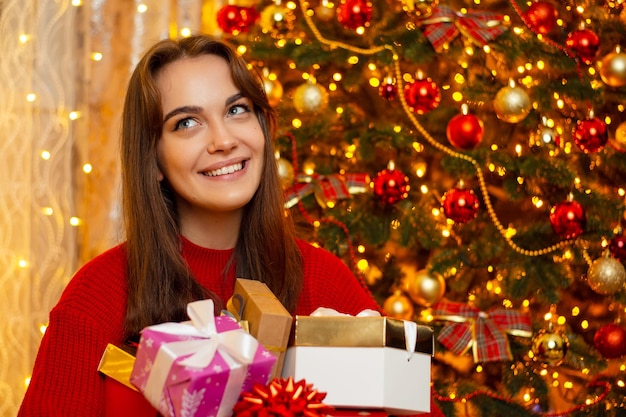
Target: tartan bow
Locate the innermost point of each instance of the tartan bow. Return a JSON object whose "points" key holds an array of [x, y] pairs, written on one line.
{"points": [[484, 333], [444, 24], [327, 188]]}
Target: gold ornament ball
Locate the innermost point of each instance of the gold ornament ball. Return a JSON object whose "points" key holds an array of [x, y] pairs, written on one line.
{"points": [[512, 104], [325, 12], [549, 347], [419, 8], [620, 137], [606, 275], [613, 69], [277, 20], [285, 172], [398, 306], [425, 288], [310, 98]]}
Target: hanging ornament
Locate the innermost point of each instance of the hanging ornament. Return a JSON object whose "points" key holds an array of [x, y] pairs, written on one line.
{"points": [[544, 137], [613, 68], [285, 172], [310, 97], [399, 306], [282, 397], [425, 288], [550, 346], [391, 185], [460, 204], [422, 95], [325, 11], [465, 131], [236, 19], [606, 275], [619, 142], [388, 89], [354, 14], [273, 88], [610, 341], [617, 247], [277, 20], [541, 16], [585, 43], [568, 219], [512, 103], [590, 135], [419, 8]]}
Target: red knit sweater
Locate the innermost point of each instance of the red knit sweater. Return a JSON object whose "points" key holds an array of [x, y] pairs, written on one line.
{"points": [[90, 313]]}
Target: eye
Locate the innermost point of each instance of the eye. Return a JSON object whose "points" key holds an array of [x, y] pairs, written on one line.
{"points": [[185, 123], [238, 108]]}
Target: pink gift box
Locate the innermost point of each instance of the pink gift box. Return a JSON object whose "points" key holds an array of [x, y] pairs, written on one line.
{"points": [[199, 368]]}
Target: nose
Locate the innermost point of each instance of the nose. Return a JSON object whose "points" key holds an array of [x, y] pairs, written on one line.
{"points": [[221, 139]]}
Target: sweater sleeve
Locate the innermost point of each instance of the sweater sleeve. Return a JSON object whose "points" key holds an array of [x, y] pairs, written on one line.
{"points": [[65, 380], [328, 282]]}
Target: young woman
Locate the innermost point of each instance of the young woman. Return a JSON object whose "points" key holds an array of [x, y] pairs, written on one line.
{"points": [[203, 205]]}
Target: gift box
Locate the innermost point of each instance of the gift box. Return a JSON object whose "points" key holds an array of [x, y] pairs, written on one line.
{"points": [[267, 319], [364, 362], [200, 367]]}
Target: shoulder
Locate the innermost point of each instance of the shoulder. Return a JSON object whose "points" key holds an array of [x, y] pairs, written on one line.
{"points": [[311, 253]]}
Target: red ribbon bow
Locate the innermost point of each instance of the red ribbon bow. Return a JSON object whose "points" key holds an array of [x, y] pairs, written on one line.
{"points": [[444, 24], [327, 188], [484, 333]]}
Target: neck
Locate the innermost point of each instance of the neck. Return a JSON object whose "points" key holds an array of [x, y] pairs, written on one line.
{"points": [[211, 230]]}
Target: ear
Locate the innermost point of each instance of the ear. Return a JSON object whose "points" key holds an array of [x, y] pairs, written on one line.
{"points": [[160, 175]]}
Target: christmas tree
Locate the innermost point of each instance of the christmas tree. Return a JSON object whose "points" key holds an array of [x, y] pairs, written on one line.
{"points": [[468, 160]]}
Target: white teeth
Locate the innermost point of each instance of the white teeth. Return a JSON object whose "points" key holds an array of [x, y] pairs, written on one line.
{"points": [[225, 170]]}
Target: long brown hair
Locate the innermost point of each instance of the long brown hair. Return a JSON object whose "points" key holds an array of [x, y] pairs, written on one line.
{"points": [[160, 283]]}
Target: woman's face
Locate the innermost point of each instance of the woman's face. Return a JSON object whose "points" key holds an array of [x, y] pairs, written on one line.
{"points": [[211, 148]]}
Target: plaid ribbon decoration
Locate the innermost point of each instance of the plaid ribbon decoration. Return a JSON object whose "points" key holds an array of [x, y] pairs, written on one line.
{"points": [[328, 188], [444, 24], [484, 333]]}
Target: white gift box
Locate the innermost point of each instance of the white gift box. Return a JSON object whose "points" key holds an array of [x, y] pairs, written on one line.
{"points": [[374, 376]]}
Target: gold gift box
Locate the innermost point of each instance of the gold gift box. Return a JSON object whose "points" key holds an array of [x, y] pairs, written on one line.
{"points": [[117, 363], [268, 320], [349, 331]]}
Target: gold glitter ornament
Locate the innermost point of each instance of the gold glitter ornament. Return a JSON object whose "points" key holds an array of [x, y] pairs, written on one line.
{"points": [[550, 347], [325, 11], [277, 20], [606, 275], [512, 103], [619, 142], [612, 68], [425, 288], [310, 97], [273, 88]]}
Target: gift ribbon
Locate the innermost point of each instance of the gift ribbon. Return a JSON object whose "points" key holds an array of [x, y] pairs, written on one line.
{"points": [[485, 333], [332, 187], [410, 327], [444, 24], [236, 347]]}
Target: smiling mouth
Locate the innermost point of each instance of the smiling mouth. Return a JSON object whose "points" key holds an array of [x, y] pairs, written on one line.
{"points": [[224, 170]]}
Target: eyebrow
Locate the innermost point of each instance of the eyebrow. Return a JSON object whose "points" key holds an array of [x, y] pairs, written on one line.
{"points": [[198, 109]]}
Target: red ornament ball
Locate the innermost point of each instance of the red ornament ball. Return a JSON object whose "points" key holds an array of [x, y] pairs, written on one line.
{"points": [[422, 96], [391, 186], [617, 247], [590, 135], [541, 17], [465, 131], [354, 14], [585, 43], [610, 341], [568, 219], [388, 91], [460, 205], [236, 19]]}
